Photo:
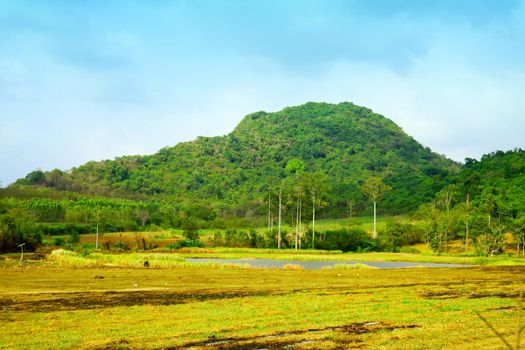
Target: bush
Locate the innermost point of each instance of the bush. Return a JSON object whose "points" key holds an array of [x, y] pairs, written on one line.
{"points": [[234, 238], [409, 250], [74, 237], [397, 235], [16, 227], [217, 240], [188, 243], [59, 242], [347, 240], [66, 229]]}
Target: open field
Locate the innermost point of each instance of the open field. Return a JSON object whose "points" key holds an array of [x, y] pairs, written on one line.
{"points": [[47, 305]]}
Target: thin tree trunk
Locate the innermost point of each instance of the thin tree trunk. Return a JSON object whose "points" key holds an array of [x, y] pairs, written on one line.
{"points": [[466, 224], [269, 211], [375, 231], [297, 226], [279, 224], [466, 237], [300, 222], [313, 222], [96, 241]]}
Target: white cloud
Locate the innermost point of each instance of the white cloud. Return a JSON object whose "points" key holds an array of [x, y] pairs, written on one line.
{"points": [[459, 90]]}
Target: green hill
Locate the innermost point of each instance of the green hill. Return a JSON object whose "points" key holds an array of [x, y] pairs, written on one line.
{"points": [[496, 181], [347, 143]]}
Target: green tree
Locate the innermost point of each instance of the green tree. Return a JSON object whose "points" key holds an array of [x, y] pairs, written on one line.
{"points": [[518, 231], [317, 187], [374, 188], [17, 227], [295, 166]]}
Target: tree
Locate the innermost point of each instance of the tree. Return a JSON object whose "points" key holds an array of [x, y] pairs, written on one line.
{"points": [[17, 227], [295, 166], [374, 188], [490, 235], [98, 215], [444, 197], [518, 231], [36, 177], [444, 201], [350, 204], [316, 185], [143, 215], [279, 238]]}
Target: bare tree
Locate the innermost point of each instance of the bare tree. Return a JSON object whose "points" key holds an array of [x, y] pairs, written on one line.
{"points": [[374, 188], [143, 215], [98, 216]]}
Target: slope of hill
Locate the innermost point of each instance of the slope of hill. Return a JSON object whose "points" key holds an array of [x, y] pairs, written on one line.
{"points": [[346, 142], [496, 181]]}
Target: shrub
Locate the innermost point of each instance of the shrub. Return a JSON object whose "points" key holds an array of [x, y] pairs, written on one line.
{"points": [[59, 241], [16, 227], [217, 240], [234, 238], [409, 250], [74, 237], [346, 240], [397, 235], [188, 243], [65, 229]]}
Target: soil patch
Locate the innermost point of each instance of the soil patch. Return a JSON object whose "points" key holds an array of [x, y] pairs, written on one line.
{"points": [[96, 300], [299, 337]]}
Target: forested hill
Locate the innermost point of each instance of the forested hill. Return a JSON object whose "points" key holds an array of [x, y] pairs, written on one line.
{"points": [[496, 182], [347, 143]]}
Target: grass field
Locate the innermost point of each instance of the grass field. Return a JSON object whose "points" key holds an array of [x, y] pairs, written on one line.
{"points": [[68, 304]]}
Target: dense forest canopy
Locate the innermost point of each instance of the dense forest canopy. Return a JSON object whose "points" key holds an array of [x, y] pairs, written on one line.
{"points": [[347, 143]]}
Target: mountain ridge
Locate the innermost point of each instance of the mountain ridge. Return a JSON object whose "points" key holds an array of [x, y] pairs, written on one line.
{"points": [[344, 141]]}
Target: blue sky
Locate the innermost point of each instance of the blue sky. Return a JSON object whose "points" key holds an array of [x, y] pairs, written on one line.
{"points": [[92, 80]]}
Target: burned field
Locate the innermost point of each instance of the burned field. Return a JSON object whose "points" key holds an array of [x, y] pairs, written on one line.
{"points": [[201, 308]]}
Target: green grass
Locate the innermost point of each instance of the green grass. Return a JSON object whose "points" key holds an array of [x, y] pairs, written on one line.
{"points": [[61, 307]]}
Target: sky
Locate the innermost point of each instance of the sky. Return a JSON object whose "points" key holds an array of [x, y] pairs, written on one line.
{"points": [[93, 80]]}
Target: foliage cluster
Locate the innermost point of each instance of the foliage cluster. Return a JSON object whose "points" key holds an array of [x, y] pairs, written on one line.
{"points": [[232, 173]]}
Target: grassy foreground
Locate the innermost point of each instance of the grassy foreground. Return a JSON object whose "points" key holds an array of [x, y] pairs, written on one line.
{"points": [[50, 306]]}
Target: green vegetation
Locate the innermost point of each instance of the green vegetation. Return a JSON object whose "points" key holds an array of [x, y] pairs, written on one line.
{"points": [[230, 175], [205, 307], [277, 180]]}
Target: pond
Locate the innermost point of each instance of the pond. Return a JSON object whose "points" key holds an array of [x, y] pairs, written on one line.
{"points": [[317, 265]]}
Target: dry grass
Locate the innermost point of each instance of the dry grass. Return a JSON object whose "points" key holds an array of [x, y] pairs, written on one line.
{"points": [[206, 308]]}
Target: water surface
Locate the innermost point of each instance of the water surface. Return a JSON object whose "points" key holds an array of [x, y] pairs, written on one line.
{"points": [[317, 265]]}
